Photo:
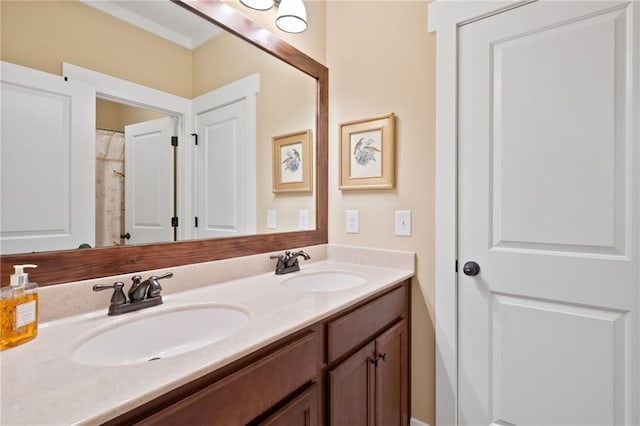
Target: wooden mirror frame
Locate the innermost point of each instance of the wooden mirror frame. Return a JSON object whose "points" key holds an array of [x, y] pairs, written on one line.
{"points": [[81, 264]]}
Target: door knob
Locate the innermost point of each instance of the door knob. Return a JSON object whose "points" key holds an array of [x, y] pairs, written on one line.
{"points": [[471, 269], [125, 236]]}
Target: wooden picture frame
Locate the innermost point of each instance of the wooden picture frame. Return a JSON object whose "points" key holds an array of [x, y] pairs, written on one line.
{"points": [[367, 153], [292, 162]]}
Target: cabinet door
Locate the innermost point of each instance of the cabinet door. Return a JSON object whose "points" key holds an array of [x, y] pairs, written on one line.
{"points": [[391, 376], [302, 411], [351, 390]]}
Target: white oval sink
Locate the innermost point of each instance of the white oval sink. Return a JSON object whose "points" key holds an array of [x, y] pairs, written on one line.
{"points": [[160, 336], [324, 282]]}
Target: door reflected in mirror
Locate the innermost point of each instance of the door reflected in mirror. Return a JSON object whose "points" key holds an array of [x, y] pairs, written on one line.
{"points": [[220, 187]]}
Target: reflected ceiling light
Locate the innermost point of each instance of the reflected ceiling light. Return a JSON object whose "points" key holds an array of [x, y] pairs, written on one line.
{"points": [[292, 15], [258, 4]]}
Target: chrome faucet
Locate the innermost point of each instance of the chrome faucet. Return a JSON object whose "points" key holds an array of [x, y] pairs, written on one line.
{"points": [[142, 294], [288, 262]]}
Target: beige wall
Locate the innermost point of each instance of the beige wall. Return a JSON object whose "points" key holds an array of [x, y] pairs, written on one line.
{"points": [[114, 116], [43, 34], [381, 59], [285, 104]]}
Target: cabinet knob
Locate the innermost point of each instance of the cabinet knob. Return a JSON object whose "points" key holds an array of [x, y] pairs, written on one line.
{"points": [[374, 361], [383, 356]]}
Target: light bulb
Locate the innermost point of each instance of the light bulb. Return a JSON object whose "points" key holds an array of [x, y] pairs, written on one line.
{"points": [[292, 16]]}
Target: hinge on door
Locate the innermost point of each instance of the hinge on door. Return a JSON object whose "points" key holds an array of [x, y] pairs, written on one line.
{"points": [[174, 141], [174, 221], [195, 137], [456, 265], [196, 221]]}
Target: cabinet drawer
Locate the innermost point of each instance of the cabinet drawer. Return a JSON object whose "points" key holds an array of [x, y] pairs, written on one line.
{"points": [[240, 397], [348, 331]]}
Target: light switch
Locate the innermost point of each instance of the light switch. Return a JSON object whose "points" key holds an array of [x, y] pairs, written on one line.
{"points": [[303, 220], [353, 222], [271, 219], [403, 223]]}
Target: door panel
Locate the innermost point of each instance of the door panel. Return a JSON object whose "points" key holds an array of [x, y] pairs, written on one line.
{"points": [[48, 162], [548, 207], [225, 189], [149, 181]]}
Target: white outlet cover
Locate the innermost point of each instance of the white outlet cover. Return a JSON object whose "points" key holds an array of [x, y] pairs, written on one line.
{"points": [[271, 219], [403, 223], [353, 222], [303, 220]]}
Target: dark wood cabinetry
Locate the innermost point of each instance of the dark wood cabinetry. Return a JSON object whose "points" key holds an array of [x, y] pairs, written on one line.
{"points": [[350, 369], [301, 411], [370, 387]]}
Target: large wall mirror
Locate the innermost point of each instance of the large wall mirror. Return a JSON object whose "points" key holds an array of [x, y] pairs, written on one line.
{"points": [[196, 73]]}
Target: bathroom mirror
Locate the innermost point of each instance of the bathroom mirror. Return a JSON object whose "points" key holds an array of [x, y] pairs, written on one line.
{"points": [[70, 265], [215, 188]]}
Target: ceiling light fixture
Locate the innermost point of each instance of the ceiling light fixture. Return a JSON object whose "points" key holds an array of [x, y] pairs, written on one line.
{"points": [[258, 4], [292, 15]]}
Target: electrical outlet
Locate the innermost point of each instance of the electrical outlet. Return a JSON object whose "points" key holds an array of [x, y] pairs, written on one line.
{"points": [[271, 219], [403, 223], [353, 222], [303, 220]]}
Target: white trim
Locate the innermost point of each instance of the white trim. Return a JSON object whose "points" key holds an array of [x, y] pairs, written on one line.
{"points": [[123, 91], [246, 88], [445, 17]]}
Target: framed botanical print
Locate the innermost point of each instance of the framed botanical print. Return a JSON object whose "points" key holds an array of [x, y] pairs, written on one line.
{"points": [[367, 153], [292, 162]]}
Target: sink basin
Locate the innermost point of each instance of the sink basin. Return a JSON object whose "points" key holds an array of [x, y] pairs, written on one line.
{"points": [[160, 336], [324, 282]]}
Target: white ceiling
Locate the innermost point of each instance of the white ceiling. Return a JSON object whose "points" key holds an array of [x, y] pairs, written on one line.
{"points": [[160, 17]]}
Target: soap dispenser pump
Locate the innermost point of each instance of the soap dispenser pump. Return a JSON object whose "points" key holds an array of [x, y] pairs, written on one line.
{"points": [[18, 309]]}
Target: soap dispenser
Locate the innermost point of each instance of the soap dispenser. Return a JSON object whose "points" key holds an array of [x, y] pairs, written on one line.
{"points": [[18, 309]]}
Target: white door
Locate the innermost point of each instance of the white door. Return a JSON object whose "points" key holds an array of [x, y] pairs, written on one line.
{"points": [[549, 208], [225, 180], [47, 161], [149, 181]]}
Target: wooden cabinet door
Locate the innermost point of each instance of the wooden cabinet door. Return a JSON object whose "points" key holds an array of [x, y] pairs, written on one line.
{"points": [[351, 390], [391, 376], [301, 411]]}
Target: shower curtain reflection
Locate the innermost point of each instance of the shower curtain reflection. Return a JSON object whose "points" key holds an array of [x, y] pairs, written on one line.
{"points": [[109, 188]]}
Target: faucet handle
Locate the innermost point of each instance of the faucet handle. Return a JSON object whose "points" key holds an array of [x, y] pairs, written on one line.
{"points": [[163, 276], [155, 288], [118, 297]]}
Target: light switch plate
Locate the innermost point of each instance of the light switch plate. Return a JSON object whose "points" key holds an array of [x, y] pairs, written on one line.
{"points": [[303, 220], [271, 219], [403, 223], [353, 222]]}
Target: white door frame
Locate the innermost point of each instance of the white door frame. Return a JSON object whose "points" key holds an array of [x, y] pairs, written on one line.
{"points": [[126, 92], [444, 18]]}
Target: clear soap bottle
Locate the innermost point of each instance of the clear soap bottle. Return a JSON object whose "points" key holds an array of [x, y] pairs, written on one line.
{"points": [[18, 309]]}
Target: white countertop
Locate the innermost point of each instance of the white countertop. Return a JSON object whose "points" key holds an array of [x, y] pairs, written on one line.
{"points": [[42, 385]]}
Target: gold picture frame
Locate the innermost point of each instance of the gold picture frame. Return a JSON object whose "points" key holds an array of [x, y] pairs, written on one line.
{"points": [[367, 153], [292, 162]]}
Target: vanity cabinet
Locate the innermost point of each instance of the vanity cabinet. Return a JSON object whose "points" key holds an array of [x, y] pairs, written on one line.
{"points": [[371, 385], [350, 369]]}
